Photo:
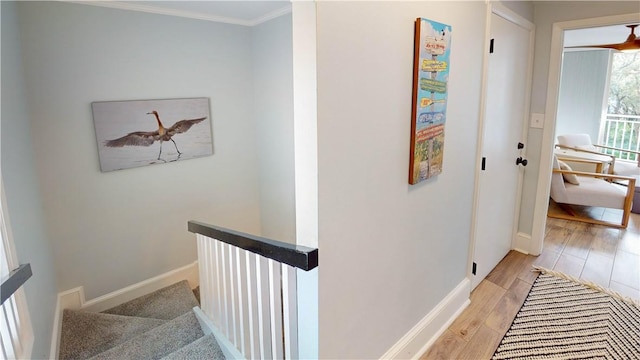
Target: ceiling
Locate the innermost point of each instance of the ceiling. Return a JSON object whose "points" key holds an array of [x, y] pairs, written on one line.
{"points": [[250, 13], [238, 12], [597, 35]]}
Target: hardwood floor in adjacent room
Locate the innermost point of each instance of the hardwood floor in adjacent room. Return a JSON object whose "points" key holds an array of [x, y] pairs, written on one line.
{"points": [[607, 256]]}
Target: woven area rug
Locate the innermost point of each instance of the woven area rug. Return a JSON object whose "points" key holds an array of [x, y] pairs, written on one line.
{"points": [[566, 318]]}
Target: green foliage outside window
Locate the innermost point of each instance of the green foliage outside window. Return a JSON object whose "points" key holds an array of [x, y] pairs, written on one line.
{"points": [[624, 99], [624, 87]]}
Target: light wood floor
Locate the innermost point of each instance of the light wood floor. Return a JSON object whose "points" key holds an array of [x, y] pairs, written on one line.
{"points": [[606, 256]]}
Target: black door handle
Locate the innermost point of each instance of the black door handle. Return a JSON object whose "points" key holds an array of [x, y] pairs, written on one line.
{"points": [[522, 161]]}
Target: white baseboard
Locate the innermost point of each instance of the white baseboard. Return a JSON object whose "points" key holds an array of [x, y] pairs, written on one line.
{"points": [[416, 342], [74, 298], [522, 243], [104, 302]]}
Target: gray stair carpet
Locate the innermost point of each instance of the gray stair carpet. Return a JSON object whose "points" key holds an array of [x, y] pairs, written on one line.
{"points": [[166, 304], [204, 348], [159, 341], [154, 326], [85, 334]]}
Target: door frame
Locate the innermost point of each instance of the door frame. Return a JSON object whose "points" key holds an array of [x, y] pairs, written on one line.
{"points": [[551, 108], [513, 17]]}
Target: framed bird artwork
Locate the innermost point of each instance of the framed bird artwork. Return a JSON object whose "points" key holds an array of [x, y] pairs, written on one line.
{"points": [[146, 132]]}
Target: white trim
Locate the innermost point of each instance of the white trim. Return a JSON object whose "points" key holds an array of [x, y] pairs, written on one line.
{"points": [[70, 299], [75, 299], [208, 327], [418, 340], [188, 272], [555, 64], [479, 145], [512, 17], [305, 121], [521, 243], [272, 15], [183, 13]]}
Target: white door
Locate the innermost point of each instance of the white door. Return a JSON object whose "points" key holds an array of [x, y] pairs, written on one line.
{"points": [[505, 106]]}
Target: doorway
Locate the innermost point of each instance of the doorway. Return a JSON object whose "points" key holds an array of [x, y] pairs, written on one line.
{"points": [[553, 87], [507, 76]]}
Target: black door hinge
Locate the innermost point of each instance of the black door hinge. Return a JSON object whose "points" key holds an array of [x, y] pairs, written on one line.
{"points": [[473, 268], [484, 163], [491, 46]]}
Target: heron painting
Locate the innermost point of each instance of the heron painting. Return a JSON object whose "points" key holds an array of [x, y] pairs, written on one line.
{"points": [[146, 132]]}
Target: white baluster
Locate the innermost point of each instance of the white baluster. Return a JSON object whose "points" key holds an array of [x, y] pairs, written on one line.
{"points": [[219, 299], [251, 299], [7, 336], [5, 350], [290, 311], [275, 309], [262, 297], [233, 281], [14, 323], [204, 258], [252, 306], [241, 300], [228, 327]]}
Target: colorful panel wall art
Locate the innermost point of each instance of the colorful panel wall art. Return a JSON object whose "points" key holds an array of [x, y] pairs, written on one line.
{"points": [[429, 103]]}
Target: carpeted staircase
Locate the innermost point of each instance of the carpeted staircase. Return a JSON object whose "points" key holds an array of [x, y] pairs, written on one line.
{"points": [[160, 325]]}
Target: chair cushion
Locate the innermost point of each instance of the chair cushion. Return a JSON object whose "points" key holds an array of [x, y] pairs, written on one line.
{"points": [[595, 192], [626, 168], [587, 147], [570, 178], [581, 141]]}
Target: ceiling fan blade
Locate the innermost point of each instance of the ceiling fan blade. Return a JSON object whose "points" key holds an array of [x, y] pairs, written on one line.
{"points": [[632, 43]]}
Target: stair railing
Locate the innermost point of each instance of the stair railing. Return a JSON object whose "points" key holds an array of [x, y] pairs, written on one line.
{"points": [[16, 334], [248, 289]]}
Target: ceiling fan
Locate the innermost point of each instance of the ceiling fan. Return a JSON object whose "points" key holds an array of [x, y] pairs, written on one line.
{"points": [[631, 44]]}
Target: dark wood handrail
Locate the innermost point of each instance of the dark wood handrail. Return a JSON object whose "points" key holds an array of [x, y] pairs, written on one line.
{"points": [[301, 257], [13, 282]]}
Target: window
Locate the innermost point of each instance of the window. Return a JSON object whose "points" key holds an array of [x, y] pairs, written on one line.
{"points": [[621, 126]]}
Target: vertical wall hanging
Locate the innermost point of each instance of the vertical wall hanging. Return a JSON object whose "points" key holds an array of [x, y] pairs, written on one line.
{"points": [[429, 102]]}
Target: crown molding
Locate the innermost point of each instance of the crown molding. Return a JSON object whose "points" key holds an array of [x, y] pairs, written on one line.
{"points": [[182, 13], [272, 15]]}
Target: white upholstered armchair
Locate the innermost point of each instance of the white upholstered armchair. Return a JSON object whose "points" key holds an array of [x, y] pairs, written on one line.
{"points": [[590, 189], [582, 142]]}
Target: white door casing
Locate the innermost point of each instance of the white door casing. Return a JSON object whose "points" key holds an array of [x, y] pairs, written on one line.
{"points": [[504, 113]]}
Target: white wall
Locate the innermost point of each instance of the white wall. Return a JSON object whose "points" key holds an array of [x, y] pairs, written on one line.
{"points": [[582, 90], [272, 56], [546, 13], [24, 201], [389, 251], [109, 230]]}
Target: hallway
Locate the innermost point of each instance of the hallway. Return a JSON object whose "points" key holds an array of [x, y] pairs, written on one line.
{"points": [[606, 256]]}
